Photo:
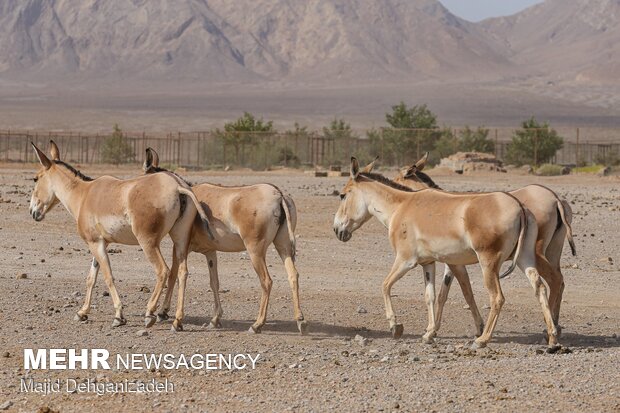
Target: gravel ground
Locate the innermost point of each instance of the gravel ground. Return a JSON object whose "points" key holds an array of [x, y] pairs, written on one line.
{"points": [[348, 362]]}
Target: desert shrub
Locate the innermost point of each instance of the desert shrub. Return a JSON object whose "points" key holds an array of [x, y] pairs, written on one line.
{"points": [[116, 149], [591, 169], [286, 156], [411, 132], [549, 170], [246, 131], [534, 143], [471, 140]]}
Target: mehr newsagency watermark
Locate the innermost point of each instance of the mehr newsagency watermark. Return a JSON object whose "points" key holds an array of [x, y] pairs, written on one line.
{"points": [[100, 359]]}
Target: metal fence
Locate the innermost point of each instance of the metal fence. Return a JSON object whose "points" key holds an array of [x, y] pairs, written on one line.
{"points": [[209, 150]]}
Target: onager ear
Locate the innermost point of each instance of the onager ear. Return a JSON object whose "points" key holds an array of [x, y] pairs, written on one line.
{"points": [[422, 162], [155, 158], [148, 162], [368, 168], [42, 158], [54, 151], [355, 168], [410, 172]]}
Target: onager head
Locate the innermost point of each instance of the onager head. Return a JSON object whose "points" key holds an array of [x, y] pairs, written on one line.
{"points": [[414, 178], [353, 210], [44, 196]]}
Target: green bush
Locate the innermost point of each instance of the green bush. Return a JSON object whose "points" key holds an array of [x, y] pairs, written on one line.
{"points": [[549, 170], [475, 140], [245, 131], [533, 144], [116, 149]]}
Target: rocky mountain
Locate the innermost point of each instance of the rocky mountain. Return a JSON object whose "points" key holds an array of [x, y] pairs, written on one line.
{"points": [[241, 41], [572, 40]]}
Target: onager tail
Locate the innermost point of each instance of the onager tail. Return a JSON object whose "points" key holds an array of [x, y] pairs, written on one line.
{"points": [[569, 229], [289, 226], [203, 215], [519, 244]]}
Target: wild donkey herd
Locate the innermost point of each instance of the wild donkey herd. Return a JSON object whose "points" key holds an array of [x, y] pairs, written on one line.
{"points": [[425, 225]]}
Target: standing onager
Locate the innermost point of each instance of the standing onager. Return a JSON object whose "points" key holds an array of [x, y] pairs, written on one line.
{"points": [[243, 218], [133, 211], [553, 217], [429, 226]]}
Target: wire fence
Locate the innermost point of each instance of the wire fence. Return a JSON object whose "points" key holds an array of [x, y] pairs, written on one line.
{"points": [[263, 150]]}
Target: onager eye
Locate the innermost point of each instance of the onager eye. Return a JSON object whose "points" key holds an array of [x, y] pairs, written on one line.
{"points": [[342, 196], [35, 179]]}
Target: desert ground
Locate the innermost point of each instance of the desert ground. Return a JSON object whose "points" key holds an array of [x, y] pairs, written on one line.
{"points": [[327, 370]]}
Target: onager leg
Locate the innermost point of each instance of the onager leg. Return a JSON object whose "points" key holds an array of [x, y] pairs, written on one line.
{"points": [[553, 255], [214, 280], [82, 314], [162, 315], [429, 297], [257, 255], [284, 249], [460, 273], [98, 250], [399, 268], [181, 256], [490, 272], [527, 264], [153, 254], [527, 261]]}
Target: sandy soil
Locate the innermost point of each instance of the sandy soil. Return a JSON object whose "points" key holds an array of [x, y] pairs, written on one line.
{"points": [[328, 370]]}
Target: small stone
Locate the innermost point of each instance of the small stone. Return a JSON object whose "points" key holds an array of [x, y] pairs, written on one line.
{"points": [[362, 341], [42, 259], [76, 294], [450, 349], [142, 333], [6, 405], [540, 351], [105, 293], [575, 266], [145, 289], [6, 354], [361, 310], [466, 307], [22, 276]]}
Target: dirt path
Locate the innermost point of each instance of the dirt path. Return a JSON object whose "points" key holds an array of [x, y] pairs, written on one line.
{"points": [[328, 370]]}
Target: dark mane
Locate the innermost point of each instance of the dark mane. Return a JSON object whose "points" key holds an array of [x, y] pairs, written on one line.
{"points": [[154, 169], [75, 171], [386, 181], [425, 179]]}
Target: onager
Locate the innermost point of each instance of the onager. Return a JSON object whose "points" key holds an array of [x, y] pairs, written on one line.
{"points": [[553, 217], [428, 226], [139, 211], [243, 218]]}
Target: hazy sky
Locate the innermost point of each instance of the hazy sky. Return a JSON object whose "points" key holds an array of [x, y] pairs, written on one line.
{"points": [[476, 10]]}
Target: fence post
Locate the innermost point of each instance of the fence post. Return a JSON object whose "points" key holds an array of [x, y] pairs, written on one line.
{"points": [[536, 148], [577, 149], [497, 155]]}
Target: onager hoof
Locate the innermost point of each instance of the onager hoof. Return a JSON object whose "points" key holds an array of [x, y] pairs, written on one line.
{"points": [[254, 330], [552, 349], [397, 331], [176, 326], [302, 325], [163, 316], [149, 320], [79, 317], [428, 338], [214, 325], [477, 345], [118, 322], [480, 330]]}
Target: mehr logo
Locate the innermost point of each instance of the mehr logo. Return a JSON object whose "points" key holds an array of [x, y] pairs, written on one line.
{"points": [[63, 359]]}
